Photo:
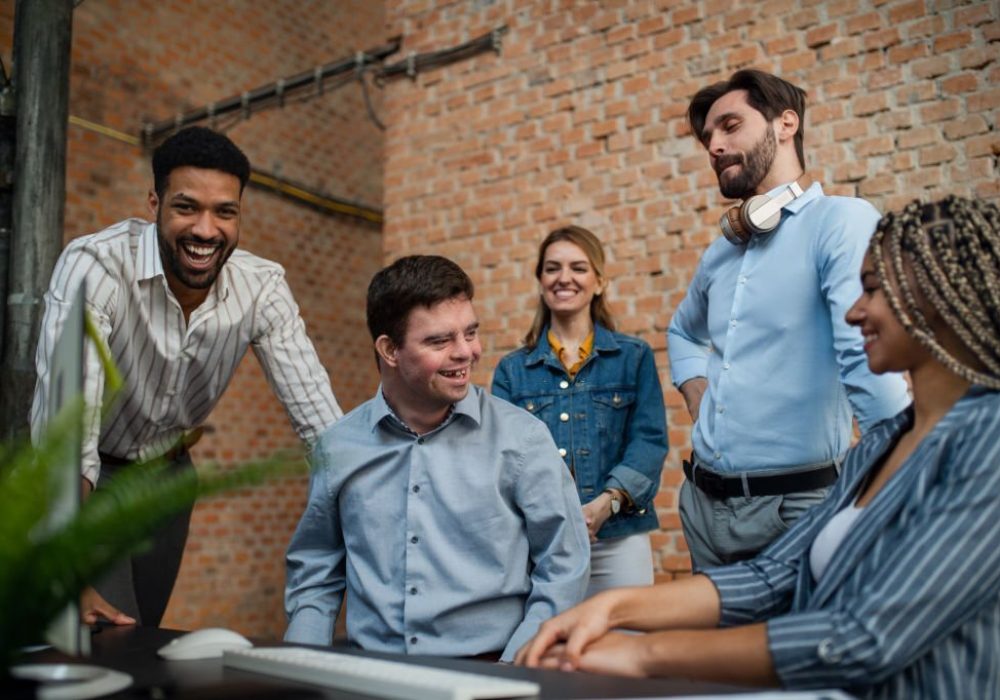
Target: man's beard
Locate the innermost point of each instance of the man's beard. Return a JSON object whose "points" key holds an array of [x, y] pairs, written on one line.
{"points": [[170, 257], [755, 165]]}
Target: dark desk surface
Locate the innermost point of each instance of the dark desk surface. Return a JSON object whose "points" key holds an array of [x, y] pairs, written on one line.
{"points": [[133, 650]]}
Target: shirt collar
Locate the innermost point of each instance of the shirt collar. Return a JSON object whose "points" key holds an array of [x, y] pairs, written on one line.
{"points": [[814, 191], [147, 255], [468, 407], [604, 341], [149, 264], [583, 352]]}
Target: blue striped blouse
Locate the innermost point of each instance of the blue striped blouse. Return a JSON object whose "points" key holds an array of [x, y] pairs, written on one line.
{"points": [[909, 606]]}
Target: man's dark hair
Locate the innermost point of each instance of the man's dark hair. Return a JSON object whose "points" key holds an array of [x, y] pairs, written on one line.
{"points": [[768, 94], [198, 147], [416, 280]]}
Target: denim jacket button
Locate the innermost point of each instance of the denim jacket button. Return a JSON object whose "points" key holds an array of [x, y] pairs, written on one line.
{"points": [[562, 451], [564, 384], [530, 406], [564, 417]]}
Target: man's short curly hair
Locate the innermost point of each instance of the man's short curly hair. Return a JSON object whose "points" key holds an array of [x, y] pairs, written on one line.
{"points": [[198, 147]]}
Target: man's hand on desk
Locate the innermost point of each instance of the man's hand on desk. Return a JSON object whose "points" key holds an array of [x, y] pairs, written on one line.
{"points": [[94, 608]]}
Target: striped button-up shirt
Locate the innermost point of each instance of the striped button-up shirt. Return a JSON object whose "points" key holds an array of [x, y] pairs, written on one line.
{"points": [[909, 605], [174, 370]]}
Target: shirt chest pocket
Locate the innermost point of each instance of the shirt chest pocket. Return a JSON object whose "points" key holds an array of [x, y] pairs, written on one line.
{"points": [[540, 407], [612, 409]]}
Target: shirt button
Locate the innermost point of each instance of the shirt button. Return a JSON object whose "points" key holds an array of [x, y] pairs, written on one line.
{"points": [[732, 324], [743, 280], [827, 653], [562, 451], [718, 455], [564, 384], [416, 488], [725, 365], [414, 539], [413, 590], [420, 441], [564, 417], [721, 409], [413, 640]]}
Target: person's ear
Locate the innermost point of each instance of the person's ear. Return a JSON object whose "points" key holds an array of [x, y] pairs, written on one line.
{"points": [[602, 286], [387, 350], [154, 204], [787, 125]]}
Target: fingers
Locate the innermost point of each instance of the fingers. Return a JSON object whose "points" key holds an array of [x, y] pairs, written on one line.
{"points": [[93, 608], [548, 635]]}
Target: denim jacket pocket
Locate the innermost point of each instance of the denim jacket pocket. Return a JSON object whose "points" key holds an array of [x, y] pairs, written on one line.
{"points": [[611, 409], [538, 406]]}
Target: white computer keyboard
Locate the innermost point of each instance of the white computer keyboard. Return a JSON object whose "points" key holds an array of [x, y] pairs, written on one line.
{"points": [[376, 677]]}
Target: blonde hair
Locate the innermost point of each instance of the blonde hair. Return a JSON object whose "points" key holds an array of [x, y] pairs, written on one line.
{"points": [[953, 250], [592, 248]]}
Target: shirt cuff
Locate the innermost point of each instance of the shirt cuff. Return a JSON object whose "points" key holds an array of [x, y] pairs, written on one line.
{"points": [[681, 370], [804, 648], [310, 626]]}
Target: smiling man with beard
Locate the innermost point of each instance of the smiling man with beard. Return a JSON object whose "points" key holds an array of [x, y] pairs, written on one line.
{"points": [[445, 514], [178, 305], [759, 348]]}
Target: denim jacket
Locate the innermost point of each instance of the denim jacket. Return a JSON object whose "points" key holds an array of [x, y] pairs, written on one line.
{"points": [[608, 422]]}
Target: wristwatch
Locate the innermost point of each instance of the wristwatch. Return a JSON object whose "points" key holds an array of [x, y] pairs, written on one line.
{"points": [[616, 501]]}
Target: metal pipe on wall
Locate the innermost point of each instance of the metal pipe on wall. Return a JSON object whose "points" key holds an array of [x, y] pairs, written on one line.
{"points": [[42, 42]]}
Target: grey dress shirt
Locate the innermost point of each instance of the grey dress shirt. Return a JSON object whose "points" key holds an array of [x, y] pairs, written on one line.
{"points": [[454, 543]]}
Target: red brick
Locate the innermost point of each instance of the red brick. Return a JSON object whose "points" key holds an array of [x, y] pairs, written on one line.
{"points": [[906, 11], [975, 15], [958, 84], [933, 155], [942, 109], [931, 67]]}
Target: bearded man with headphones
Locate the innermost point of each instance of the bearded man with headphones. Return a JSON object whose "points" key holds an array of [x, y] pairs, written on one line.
{"points": [[770, 370]]}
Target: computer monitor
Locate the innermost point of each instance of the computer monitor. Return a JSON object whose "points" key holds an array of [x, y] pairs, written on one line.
{"points": [[67, 633]]}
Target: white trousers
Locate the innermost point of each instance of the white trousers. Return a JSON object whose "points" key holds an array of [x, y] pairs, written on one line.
{"points": [[622, 561]]}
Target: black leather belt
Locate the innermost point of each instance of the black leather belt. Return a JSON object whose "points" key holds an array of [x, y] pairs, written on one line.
{"points": [[722, 486], [171, 455]]}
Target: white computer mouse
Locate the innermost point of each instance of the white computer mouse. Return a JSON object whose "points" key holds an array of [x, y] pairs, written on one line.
{"points": [[208, 643]]}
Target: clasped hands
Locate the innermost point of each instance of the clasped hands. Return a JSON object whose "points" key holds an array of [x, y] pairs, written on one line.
{"points": [[581, 639]]}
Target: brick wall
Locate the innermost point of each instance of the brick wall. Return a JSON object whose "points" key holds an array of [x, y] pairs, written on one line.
{"points": [[140, 60], [580, 120]]}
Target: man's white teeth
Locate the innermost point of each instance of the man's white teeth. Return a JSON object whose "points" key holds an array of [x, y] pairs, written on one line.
{"points": [[871, 337], [455, 374], [200, 250]]}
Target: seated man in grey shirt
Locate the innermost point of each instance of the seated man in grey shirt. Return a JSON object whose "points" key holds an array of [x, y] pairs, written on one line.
{"points": [[447, 515]]}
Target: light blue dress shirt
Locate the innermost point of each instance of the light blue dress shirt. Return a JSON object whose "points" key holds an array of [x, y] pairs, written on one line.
{"points": [[454, 543], [765, 324]]}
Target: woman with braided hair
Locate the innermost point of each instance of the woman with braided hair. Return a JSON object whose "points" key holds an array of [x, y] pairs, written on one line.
{"points": [[890, 588]]}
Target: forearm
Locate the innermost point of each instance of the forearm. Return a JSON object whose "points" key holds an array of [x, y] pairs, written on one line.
{"points": [[690, 603], [739, 655]]}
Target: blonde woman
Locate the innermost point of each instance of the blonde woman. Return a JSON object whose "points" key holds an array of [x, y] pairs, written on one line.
{"points": [[599, 393]]}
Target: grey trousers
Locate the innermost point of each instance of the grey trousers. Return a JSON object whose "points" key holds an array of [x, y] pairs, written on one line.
{"points": [[727, 530], [140, 585]]}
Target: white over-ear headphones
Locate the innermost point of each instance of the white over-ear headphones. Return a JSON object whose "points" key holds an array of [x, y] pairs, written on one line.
{"points": [[757, 215]]}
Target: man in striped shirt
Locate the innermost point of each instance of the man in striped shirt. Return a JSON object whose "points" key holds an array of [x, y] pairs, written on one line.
{"points": [[178, 305]]}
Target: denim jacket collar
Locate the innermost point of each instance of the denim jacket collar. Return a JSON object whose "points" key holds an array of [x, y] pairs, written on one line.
{"points": [[604, 341]]}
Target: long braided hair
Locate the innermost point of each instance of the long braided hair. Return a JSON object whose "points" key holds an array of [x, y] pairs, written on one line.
{"points": [[952, 248]]}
